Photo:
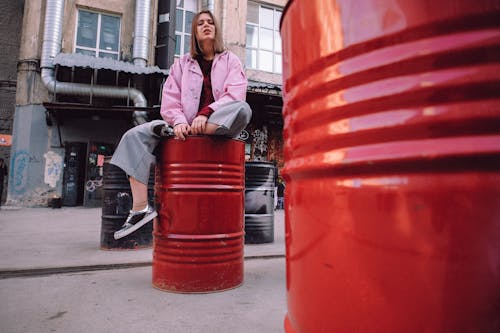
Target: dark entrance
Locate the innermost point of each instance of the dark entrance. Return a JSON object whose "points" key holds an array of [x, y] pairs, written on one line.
{"points": [[74, 173]]}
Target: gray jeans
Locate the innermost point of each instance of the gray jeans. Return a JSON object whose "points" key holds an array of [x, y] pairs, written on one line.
{"points": [[134, 154]]}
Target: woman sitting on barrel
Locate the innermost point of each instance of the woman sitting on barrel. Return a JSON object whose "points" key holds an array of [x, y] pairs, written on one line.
{"points": [[204, 93]]}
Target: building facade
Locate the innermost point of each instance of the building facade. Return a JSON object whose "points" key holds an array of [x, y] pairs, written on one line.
{"points": [[11, 22], [88, 70]]}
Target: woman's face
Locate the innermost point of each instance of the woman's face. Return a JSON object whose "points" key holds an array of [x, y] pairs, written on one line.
{"points": [[205, 29]]}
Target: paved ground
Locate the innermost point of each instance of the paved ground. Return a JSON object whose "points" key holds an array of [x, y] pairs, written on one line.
{"points": [[55, 278]]}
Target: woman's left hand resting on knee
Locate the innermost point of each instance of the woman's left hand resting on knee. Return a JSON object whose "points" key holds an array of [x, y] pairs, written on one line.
{"points": [[199, 124]]}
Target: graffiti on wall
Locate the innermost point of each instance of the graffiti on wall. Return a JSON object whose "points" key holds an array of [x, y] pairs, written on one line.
{"points": [[53, 168], [19, 172], [92, 184], [260, 144], [275, 146]]}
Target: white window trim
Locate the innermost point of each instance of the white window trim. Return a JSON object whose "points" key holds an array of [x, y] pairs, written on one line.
{"points": [[97, 50], [275, 53]]}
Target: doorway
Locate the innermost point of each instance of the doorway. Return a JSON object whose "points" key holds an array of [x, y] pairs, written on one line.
{"points": [[74, 173]]}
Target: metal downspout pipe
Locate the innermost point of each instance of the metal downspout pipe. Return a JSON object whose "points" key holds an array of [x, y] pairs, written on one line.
{"points": [[141, 32], [141, 41], [52, 37]]}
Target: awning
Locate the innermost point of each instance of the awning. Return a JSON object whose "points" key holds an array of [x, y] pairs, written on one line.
{"points": [[264, 88], [73, 110], [86, 61]]}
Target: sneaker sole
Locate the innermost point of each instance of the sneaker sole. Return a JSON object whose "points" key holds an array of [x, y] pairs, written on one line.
{"points": [[117, 235]]}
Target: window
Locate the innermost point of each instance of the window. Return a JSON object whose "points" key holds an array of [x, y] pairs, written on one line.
{"points": [[98, 35], [184, 13], [263, 45]]}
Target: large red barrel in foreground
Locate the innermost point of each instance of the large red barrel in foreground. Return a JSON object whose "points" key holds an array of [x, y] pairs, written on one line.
{"points": [[392, 159], [198, 235]]}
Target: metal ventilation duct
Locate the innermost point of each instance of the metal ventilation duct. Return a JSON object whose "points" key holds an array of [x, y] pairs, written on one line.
{"points": [[141, 32], [52, 37]]}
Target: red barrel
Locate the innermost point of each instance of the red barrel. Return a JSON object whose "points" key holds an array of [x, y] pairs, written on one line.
{"points": [[198, 235], [392, 159]]}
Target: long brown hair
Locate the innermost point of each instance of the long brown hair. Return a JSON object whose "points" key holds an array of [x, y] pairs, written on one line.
{"points": [[218, 43]]}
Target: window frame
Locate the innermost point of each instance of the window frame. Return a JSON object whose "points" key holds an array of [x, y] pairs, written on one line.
{"points": [[258, 48], [97, 49], [183, 33]]}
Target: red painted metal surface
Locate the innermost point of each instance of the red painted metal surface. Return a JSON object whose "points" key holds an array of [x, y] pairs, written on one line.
{"points": [[392, 159], [198, 235]]}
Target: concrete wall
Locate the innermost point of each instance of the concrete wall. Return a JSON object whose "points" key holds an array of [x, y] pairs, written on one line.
{"points": [[233, 15], [30, 133], [30, 89], [29, 144], [123, 8]]}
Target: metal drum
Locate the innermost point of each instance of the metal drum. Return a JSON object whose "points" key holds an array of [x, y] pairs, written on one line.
{"points": [[392, 159], [116, 204], [259, 202], [198, 236]]}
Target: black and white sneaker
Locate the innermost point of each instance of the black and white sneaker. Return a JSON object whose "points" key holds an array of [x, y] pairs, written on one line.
{"points": [[163, 130], [135, 220]]}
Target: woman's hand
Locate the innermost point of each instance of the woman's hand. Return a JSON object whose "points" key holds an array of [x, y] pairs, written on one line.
{"points": [[199, 124], [181, 131]]}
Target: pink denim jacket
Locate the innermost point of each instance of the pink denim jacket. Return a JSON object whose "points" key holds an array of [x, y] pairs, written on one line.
{"points": [[182, 89]]}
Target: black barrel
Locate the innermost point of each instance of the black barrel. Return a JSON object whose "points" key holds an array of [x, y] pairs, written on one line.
{"points": [[116, 204], [259, 202]]}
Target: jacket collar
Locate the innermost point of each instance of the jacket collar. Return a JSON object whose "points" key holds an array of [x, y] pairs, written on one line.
{"points": [[195, 67], [216, 57]]}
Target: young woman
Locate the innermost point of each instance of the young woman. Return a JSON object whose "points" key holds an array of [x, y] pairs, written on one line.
{"points": [[204, 93]]}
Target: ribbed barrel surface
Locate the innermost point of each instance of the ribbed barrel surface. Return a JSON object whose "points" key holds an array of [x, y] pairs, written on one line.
{"points": [[259, 202], [198, 237], [392, 159]]}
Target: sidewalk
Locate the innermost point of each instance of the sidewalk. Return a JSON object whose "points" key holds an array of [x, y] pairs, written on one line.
{"points": [[55, 277]]}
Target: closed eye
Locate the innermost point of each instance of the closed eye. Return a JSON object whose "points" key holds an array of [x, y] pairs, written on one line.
{"points": [[201, 22]]}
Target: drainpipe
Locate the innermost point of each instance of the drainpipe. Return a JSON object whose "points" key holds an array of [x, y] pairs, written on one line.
{"points": [[52, 37], [141, 42], [141, 32]]}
